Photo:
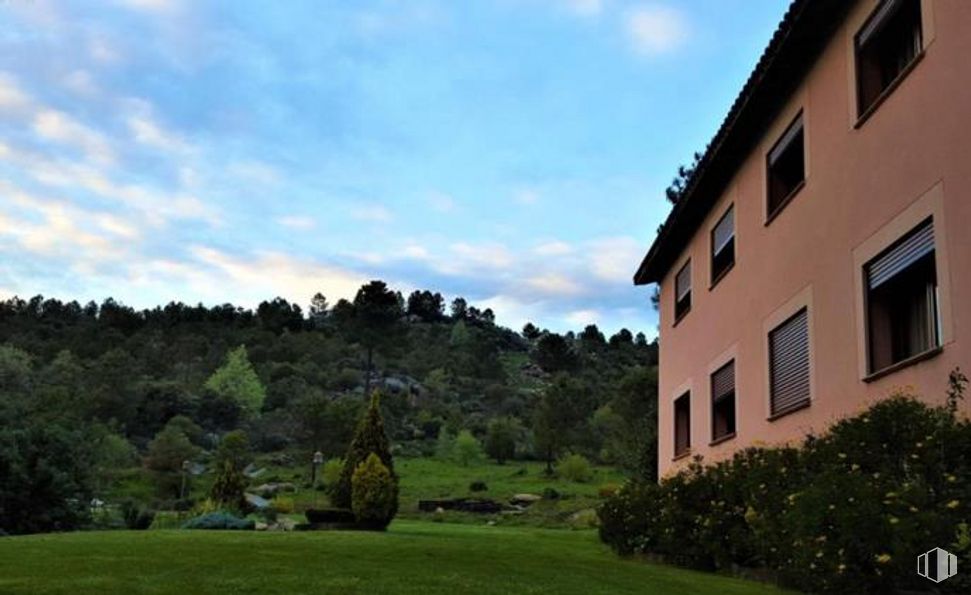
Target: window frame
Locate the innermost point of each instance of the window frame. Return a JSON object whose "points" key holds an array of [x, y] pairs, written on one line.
{"points": [[775, 414], [686, 399], [938, 332], [798, 120], [714, 401], [717, 277], [863, 113], [679, 315]]}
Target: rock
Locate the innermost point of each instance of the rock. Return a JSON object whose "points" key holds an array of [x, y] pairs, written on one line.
{"points": [[525, 499], [262, 527], [257, 502], [269, 490], [461, 504]]}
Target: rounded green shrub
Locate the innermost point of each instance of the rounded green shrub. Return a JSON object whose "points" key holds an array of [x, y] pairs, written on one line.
{"points": [[374, 494], [574, 468]]}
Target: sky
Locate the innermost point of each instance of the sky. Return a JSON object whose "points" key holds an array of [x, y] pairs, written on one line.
{"points": [[514, 152]]}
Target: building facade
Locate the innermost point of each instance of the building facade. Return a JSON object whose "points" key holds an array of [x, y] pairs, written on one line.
{"points": [[820, 258]]}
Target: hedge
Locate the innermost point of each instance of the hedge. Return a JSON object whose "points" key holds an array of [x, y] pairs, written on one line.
{"points": [[847, 512]]}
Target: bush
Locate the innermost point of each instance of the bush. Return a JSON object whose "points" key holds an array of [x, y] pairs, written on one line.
{"points": [[375, 494], [220, 521], [330, 473], [607, 490], [574, 468], [283, 505], [478, 486], [466, 449], [847, 513], [136, 517]]}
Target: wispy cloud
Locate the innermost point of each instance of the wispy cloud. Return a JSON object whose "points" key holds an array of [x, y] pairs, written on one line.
{"points": [[371, 213], [299, 222], [585, 7], [656, 29]]}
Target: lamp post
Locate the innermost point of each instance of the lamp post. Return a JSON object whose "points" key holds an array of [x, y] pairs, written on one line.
{"points": [[318, 459], [185, 471]]}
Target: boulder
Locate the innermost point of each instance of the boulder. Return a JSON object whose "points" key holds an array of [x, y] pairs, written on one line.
{"points": [[525, 499]]}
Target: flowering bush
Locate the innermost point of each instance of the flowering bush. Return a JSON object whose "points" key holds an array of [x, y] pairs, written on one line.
{"points": [[850, 511]]}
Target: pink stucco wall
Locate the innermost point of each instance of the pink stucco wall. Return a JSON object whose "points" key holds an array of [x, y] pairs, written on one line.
{"points": [[866, 185]]}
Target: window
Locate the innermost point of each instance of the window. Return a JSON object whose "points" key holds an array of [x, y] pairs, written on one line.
{"points": [[789, 364], [682, 424], [901, 299], [885, 47], [723, 402], [682, 291], [723, 245], [786, 167]]}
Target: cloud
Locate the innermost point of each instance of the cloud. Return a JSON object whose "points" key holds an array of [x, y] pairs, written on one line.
{"points": [[656, 29], [59, 127], [81, 82], [12, 97], [581, 318], [613, 259], [300, 222], [441, 202], [252, 170], [372, 213], [554, 284], [147, 132], [555, 248], [262, 275]]}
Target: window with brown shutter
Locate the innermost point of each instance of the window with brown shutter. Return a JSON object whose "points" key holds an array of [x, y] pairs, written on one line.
{"points": [[682, 424], [901, 300], [682, 291], [886, 46], [723, 245], [789, 364], [786, 167], [723, 402]]}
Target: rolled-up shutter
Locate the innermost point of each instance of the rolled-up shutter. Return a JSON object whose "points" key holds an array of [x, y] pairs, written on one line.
{"points": [[790, 135], [683, 282], [723, 382], [913, 247], [789, 363], [878, 20], [725, 230]]}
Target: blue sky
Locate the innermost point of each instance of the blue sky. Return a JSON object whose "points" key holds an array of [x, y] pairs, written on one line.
{"points": [[514, 152]]}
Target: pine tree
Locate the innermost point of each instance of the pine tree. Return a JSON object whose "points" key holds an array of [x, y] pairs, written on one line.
{"points": [[368, 438], [374, 494], [237, 381]]}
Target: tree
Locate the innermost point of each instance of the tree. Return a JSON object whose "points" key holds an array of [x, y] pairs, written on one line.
{"points": [[166, 453], [623, 337], [633, 436], [460, 309], [236, 381], [531, 332], [45, 478], [466, 449], [232, 456], [374, 494], [554, 354], [368, 438], [561, 407], [592, 338], [681, 182], [501, 438], [427, 306], [374, 319], [318, 310]]}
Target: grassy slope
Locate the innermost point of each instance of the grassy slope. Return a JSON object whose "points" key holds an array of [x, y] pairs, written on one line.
{"points": [[413, 557]]}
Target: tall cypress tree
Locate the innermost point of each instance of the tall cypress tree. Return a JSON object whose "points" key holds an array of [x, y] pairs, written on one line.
{"points": [[368, 438]]}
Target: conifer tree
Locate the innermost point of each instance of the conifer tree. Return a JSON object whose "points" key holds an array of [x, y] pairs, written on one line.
{"points": [[369, 438]]}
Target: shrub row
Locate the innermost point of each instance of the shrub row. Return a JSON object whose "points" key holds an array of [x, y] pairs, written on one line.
{"points": [[848, 512]]}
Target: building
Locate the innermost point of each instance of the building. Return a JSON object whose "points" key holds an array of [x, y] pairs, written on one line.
{"points": [[820, 257]]}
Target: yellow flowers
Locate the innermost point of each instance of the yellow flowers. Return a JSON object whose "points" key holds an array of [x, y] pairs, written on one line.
{"points": [[841, 568], [854, 467], [842, 455], [953, 504], [894, 520], [884, 558], [951, 479]]}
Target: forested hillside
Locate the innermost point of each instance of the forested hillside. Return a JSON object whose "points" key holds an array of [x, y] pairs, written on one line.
{"points": [[103, 385]]}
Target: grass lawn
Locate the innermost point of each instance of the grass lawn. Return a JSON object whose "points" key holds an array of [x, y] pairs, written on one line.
{"points": [[413, 557]]}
